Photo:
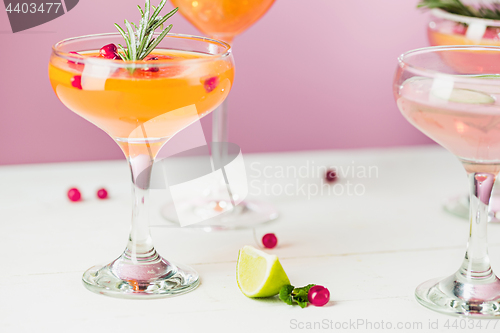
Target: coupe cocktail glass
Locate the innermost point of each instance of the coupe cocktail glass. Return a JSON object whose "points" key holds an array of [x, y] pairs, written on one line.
{"points": [[223, 19], [141, 105], [460, 110], [450, 29]]}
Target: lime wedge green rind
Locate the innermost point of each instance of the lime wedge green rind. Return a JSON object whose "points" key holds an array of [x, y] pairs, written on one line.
{"points": [[259, 274]]}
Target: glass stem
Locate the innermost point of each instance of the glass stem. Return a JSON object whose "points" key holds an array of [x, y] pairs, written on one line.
{"points": [[220, 146], [219, 125], [140, 245], [476, 264]]}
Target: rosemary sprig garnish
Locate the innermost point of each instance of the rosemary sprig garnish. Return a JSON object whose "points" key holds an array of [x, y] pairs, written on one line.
{"points": [[491, 11], [139, 39]]}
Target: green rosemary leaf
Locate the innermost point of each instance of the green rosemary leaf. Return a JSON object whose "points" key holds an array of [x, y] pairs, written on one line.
{"points": [[492, 11], [125, 55], [133, 43], [158, 39], [157, 10], [144, 20], [145, 45], [129, 47], [164, 18], [140, 42]]}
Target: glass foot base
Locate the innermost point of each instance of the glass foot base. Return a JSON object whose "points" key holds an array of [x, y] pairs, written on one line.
{"points": [[247, 214], [178, 280], [453, 297]]}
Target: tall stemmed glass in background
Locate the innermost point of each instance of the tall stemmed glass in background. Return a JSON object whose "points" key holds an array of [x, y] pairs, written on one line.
{"points": [[141, 105], [452, 94], [445, 28], [222, 19]]}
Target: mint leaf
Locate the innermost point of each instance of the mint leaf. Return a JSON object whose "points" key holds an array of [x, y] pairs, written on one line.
{"points": [[286, 294], [299, 295], [290, 295], [301, 304]]}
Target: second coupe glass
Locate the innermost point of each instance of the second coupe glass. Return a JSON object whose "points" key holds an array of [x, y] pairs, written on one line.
{"points": [[222, 19], [458, 107]]}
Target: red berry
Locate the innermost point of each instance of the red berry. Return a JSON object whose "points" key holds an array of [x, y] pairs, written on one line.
{"points": [[460, 29], [102, 193], [158, 57], [74, 53], [330, 176], [318, 296], [74, 194], [211, 83], [269, 241], [491, 33], [75, 65], [76, 81], [109, 51], [151, 69]]}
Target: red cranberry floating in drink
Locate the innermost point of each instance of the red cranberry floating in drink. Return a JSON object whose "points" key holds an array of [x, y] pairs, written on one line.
{"points": [[330, 176], [269, 241], [109, 51], [74, 53], [211, 83], [151, 69], [158, 57], [76, 81], [460, 29], [492, 33], [75, 65], [74, 194], [102, 193], [318, 295]]}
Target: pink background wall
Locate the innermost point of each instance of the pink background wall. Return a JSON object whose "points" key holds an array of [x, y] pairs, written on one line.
{"points": [[313, 74]]}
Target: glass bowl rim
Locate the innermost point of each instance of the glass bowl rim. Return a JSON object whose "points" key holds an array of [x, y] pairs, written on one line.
{"points": [[440, 13], [141, 63], [425, 72]]}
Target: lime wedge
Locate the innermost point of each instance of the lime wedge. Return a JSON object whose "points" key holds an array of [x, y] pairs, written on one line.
{"points": [[465, 96], [259, 274]]}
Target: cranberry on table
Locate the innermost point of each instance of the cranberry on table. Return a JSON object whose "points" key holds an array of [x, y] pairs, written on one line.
{"points": [[318, 295], [330, 176], [269, 241], [74, 194], [102, 193]]}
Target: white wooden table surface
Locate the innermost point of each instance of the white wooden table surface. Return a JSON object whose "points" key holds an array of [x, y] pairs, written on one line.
{"points": [[371, 250]]}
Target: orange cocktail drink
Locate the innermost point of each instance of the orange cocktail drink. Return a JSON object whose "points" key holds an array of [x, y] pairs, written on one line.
{"points": [[152, 100], [141, 99], [222, 19]]}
